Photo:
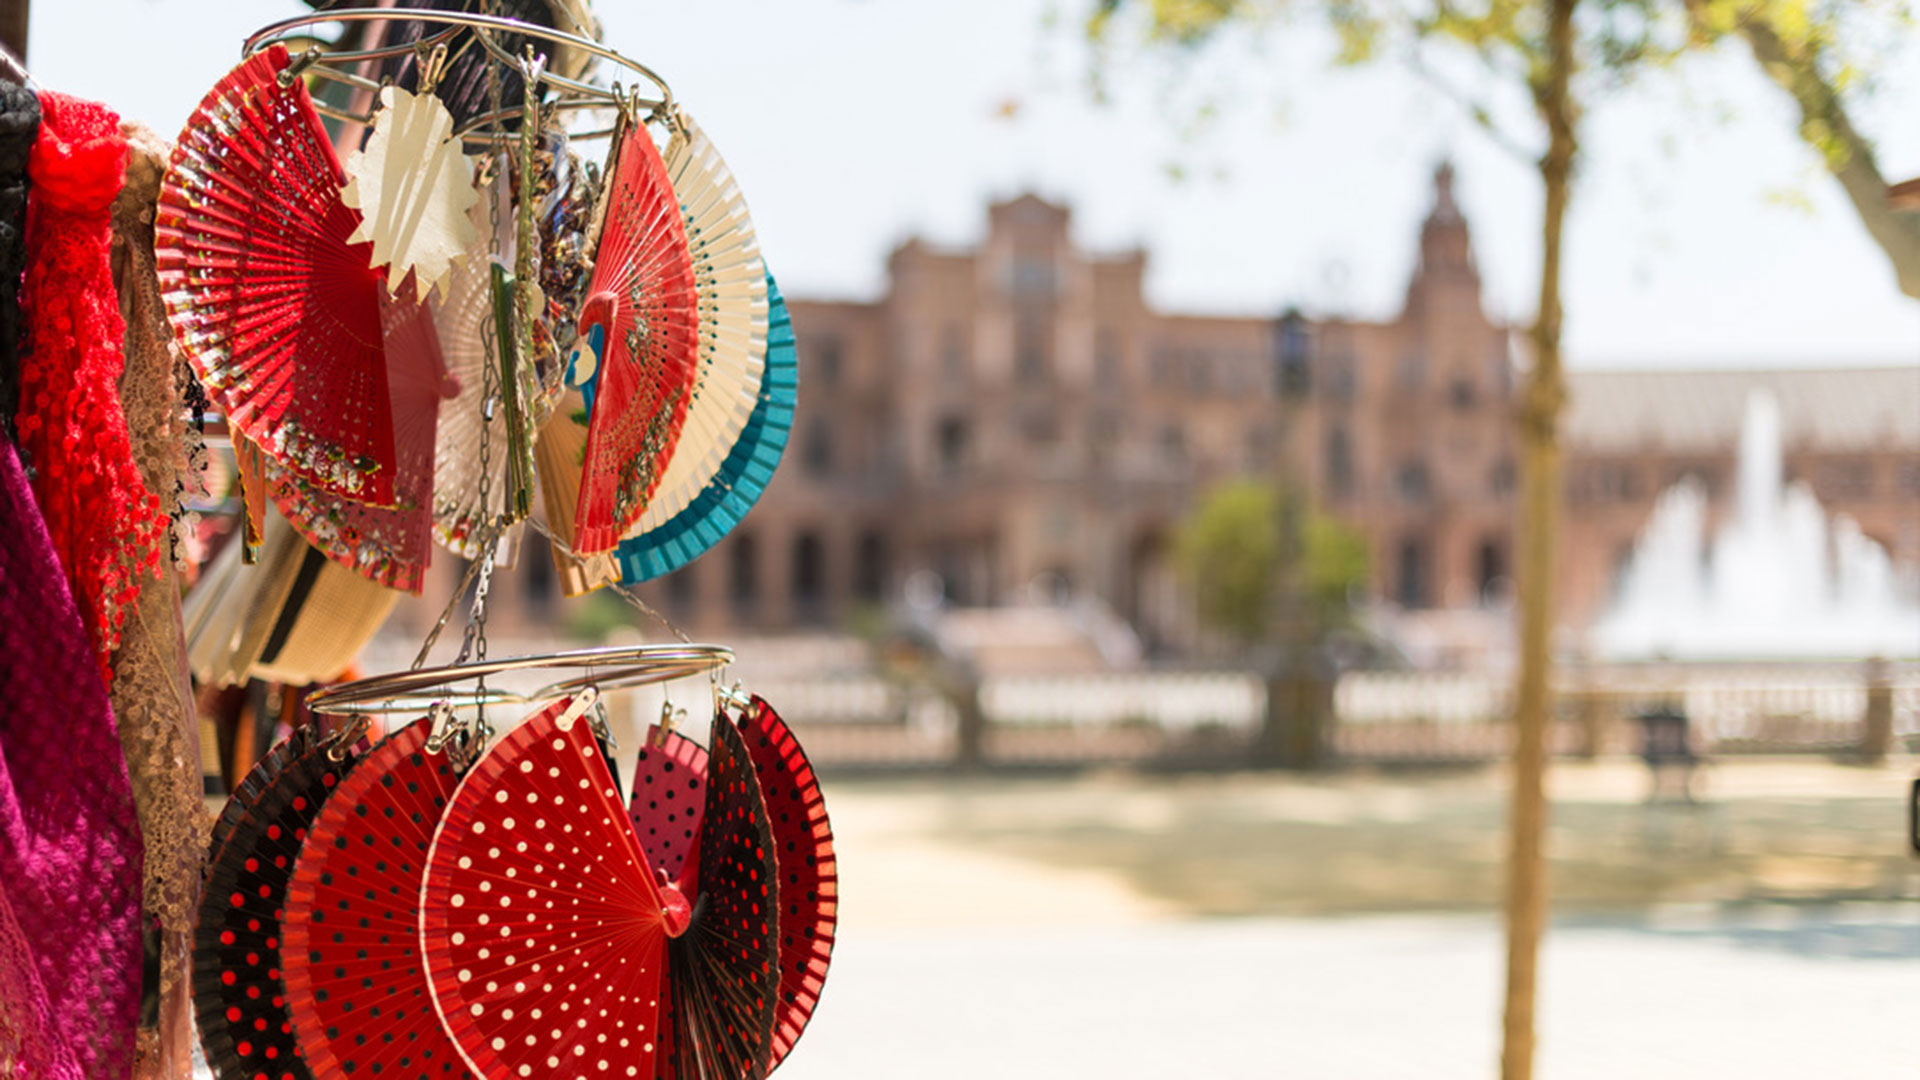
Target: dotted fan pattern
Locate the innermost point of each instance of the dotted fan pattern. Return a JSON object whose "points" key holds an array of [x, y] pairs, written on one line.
{"points": [[809, 880], [239, 994], [724, 969], [542, 925], [669, 795], [355, 982]]}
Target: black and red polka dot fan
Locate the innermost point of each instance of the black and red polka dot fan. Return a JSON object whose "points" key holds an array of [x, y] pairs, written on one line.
{"points": [[355, 983], [543, 929], [723, 972], [809, 877], [239, 993], [669, 801]]}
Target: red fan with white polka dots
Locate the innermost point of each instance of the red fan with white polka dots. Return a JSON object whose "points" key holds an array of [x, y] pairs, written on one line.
{"points": [[544, 932], [355, 983]]}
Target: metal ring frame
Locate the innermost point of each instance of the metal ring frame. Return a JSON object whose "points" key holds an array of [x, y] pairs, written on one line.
{"points": [[581, 95], [611, 667]]}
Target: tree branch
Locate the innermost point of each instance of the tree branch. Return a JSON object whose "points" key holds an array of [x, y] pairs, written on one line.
{"points": [[1824, 123]]}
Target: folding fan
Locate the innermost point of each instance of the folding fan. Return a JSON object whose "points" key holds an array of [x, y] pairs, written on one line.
{"points": [[543, 930], [355, 985], [278, 313], [809, 877], [732, 285], [239, 994], [389, 545], [640, 330], [745, 473], [460, 313], [723, 973], [669, 801], [558, 458]]}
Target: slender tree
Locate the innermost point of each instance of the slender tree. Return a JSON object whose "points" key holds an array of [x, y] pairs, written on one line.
{"points": [[1559, 53]]}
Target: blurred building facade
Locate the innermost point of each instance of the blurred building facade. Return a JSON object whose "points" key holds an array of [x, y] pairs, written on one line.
{"points": [[1015, 422]]}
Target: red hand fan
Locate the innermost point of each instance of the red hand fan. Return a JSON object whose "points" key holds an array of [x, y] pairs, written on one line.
{"points": [[543, 930], [669, 795], [723, 972], [809, 877], [390, 545], [641, 321], [239, 995], [807, 871], [355, 983], [278, 314]]}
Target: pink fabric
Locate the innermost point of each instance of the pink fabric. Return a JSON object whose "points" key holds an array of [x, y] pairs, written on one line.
{"points": [[70, 949]]}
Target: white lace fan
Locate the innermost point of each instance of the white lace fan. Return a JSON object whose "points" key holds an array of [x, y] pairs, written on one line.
{"points": [[732, 285]]}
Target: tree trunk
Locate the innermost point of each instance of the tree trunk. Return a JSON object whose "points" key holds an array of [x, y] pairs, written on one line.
{"points": [[1526, 899]]}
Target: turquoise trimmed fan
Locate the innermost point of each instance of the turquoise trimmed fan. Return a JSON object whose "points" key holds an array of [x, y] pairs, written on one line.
{"points": [[744, 474]]}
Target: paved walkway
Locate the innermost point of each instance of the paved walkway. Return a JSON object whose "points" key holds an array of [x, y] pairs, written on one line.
{"points": [[1759, 995]]}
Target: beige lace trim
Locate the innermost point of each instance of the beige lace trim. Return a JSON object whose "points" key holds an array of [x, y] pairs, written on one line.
{"points": [[152, 698]]}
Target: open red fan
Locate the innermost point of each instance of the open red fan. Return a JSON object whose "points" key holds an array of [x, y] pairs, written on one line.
{"points": [[641, 325], [355, 984], [723, 972], [390, 545], [277, 312], [669, 801], [239, 995], [809, 876], [543, 929]]}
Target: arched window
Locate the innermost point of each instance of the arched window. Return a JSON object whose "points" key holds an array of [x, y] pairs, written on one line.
{"points": [[870, 571], [743, 587], [1412, 589], [809, 576], [1490, 570], [1339, 464]]}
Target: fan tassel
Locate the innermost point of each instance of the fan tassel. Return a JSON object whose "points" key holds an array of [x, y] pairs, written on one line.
{"points": [[519, 502]]}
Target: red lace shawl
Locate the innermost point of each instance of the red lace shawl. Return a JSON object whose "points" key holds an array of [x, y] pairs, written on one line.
{"points": [[105, 525]]}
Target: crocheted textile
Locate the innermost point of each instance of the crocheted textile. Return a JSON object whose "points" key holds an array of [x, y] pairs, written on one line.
{"points": [[69, 841], [19, 123], [152, 697], [105, 525]]}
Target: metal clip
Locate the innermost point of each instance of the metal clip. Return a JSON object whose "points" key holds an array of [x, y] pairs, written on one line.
{"points": [[433, 64], [602, 730], [342, 740], [584, 700], [442, 727], [296, 66], [735, 696]]}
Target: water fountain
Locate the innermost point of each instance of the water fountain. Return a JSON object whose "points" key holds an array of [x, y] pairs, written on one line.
{"points": [[1778, 581]]}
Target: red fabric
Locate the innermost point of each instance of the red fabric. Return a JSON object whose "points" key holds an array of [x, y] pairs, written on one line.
{"points": [[106, 526]]}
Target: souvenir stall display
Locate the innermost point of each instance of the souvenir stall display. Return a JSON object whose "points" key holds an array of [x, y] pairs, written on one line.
{"points": [[411, 281]]}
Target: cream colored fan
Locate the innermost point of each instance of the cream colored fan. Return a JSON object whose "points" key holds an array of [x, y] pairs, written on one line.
{"points": [[460, 310], [559, 457], [732, 285]]}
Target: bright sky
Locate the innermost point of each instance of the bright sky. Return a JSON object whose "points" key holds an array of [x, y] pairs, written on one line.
{"points": [[852, 124]]}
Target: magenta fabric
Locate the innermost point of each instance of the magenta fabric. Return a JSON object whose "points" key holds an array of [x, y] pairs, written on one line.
{"points": [[70, 942]]}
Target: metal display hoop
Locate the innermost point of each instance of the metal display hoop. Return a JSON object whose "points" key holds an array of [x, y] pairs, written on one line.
{"points": [[611, 667], [574, 93]]}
